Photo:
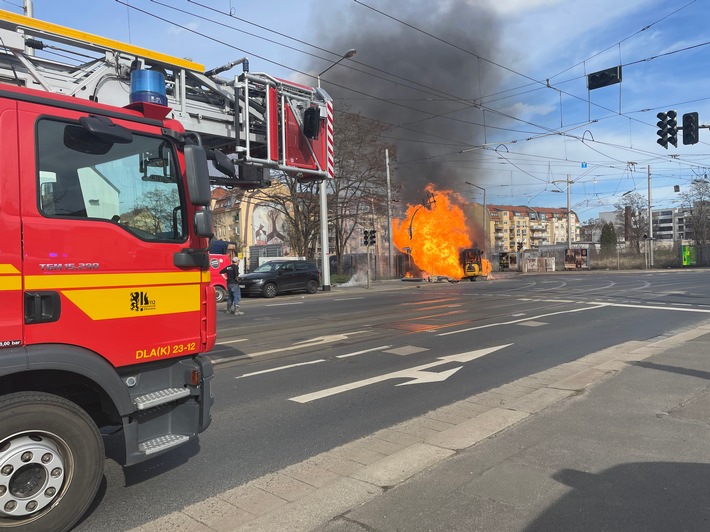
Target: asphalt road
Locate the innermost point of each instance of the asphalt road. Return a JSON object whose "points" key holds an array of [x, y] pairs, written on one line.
{"points": [[298, 375]]}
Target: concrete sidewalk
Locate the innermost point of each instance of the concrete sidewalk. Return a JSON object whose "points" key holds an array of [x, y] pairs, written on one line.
{"points": [[617, 440]]}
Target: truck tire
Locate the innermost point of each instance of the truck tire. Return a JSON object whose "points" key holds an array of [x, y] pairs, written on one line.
{"points": [[51, 462], [220, 294]]}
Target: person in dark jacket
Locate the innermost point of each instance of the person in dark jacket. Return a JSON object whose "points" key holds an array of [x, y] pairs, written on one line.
{"points": [[233, 292]]}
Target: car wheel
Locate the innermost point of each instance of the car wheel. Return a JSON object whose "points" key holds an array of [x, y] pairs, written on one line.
{"points": [[269, 290], [311, 287], [220, 294]]}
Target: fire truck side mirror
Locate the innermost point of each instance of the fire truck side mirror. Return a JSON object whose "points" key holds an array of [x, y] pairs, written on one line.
{"points": [[204, 223], [198, 175]]}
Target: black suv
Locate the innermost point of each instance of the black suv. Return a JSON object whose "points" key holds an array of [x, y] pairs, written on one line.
{"points": [[278, 276]]}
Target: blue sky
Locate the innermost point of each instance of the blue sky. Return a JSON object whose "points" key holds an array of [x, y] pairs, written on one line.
{"points": [[487, 91]]}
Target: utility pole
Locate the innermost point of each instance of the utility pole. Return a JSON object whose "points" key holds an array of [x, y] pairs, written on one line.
{"points": [[650, 221], [323, 192], [569, 215], [389, 214], [569, 210]]}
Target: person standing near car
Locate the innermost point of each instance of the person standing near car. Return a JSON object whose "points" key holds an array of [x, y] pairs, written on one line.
{"points": [[233, 292]]}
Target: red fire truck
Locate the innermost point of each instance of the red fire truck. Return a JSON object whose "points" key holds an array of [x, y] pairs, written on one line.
{"points": [[106, 308]]}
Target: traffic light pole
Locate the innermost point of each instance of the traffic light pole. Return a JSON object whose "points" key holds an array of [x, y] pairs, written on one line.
{"points": [[368, 266], [650, 221]]}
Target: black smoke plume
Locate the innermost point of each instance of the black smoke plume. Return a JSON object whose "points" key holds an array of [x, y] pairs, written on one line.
{"points": [[426, 88]]}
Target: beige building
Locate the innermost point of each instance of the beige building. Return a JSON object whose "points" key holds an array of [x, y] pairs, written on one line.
{"points": [[514, 227], [250, 225]]}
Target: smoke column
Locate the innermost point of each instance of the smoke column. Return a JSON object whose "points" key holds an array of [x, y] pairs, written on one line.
{"points": [[433, 125]]}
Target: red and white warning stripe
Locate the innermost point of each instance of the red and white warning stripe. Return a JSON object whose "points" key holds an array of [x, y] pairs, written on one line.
{"points": [[330, 162]]}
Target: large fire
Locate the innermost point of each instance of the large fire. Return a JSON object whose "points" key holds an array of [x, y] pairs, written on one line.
{"points": [[435, 233]]}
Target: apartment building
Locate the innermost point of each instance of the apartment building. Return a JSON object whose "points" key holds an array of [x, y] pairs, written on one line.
{"points": [[517, 227], [669, 225]]}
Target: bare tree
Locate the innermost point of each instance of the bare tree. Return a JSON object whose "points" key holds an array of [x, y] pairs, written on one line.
{"points": [[359, 189], [696, 201], [591, 229], [299, 203], [632, 217]]}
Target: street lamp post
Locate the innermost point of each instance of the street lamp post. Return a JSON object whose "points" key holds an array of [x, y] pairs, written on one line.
{"points": [[569, 211], [323, 191], [389, 215], [484, 217]]}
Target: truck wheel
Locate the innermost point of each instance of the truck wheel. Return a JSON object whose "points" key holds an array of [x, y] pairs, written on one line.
{"points": [[220, 293], [312, 287], [51, 462], [269, 290]]}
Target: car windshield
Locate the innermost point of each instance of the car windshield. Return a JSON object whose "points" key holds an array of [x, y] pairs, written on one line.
{"points": [[268, 267]]}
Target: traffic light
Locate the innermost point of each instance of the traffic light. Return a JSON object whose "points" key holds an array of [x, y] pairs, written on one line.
{"points": [[690, 128], [366, 238], [672, 128], [372, 237], [667, 129]]}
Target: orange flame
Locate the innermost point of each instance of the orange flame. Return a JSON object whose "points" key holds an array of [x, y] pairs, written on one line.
{"points": [[436, 234]]}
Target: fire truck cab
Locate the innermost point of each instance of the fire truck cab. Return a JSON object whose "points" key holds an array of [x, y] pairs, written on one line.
{"points": [[106, 305], [102, 269]]}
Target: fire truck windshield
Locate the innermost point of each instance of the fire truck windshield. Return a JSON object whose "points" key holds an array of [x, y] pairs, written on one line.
{"points": [[134, 184]]}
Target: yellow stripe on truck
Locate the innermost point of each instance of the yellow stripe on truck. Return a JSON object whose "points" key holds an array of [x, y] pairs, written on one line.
{"points": [[137, 301], [10, 282], [101, 280], [8, 268], [10, 278]]}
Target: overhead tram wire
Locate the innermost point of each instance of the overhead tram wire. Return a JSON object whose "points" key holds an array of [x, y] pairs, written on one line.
{"points": [[296, 70], [437, 92], [373, 97], [538, 82], [452, 97], [647, 27]]}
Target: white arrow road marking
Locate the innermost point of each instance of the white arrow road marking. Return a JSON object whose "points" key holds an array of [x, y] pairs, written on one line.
{"points": [[422, 377], [263, 371], [417, 373], [307, 343]]}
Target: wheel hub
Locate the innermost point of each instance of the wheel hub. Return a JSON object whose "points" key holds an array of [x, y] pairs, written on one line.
{"points": [[32, 472]]}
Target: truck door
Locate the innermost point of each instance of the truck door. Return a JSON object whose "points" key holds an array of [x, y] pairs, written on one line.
{"points": [[102, 222], [10, 250]]}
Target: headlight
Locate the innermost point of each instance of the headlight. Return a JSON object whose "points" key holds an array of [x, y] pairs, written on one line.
{"points": [[258, 281]]}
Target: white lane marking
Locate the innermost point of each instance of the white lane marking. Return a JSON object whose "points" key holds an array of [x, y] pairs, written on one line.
{"points": [[382, 347], [307, 343], [596, 305], [285, 304], [599, 305], [232, 341], [656, 307], [417, 373], [280, 368], [347, 298]]}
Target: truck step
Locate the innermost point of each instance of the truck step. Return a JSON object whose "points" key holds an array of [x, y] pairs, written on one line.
{"points": [[161, 443], [161, 397]]}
